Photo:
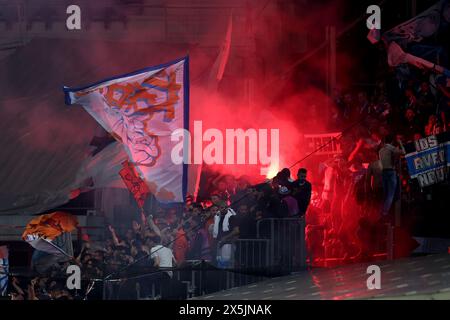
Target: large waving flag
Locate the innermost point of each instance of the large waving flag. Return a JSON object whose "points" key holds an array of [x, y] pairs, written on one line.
{"points": [[397, 56], [45, 245], [422, 26], [408, 34], [141, 110], [51, 225], [45, 232]]}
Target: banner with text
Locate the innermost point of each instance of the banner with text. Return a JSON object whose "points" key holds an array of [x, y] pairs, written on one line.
{"points": [[428, 159], [325, 143]]}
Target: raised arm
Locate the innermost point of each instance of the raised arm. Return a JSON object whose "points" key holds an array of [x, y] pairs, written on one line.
{"points": [[355, 151], [31, 292], [402, 148], [153, 226], [116, 240], [143, 218], [77, 260], [16, 286]]}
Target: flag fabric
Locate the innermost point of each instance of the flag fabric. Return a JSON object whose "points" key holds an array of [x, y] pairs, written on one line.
{"points": [[421, 26], [218, 68], [225, 50], [3, 252], [428, 159], [50, 226], [134, 183], [46, 232], [45, 245], [407, 35], [141, 110], [103, 168], [397, 56], [4, 270], [374, 36]]}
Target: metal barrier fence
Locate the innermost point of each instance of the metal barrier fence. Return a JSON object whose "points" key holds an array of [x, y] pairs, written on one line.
{"points": [[287, 245], [199, 279], [252, 254], [279, 248], [251, 261]]}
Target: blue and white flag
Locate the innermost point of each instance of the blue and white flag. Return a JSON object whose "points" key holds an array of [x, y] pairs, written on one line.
{"points": [[141, 110], [4, 270], [46, 245], [421, 26], [428, 159]]}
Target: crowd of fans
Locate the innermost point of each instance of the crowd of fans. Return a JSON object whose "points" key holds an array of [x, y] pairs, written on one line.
{"points": [[357, 188], [165, 239], [345, 220]]}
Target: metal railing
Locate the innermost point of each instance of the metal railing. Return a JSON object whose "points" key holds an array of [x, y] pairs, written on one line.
{"points": [[252, 254], [197, 279], [280, 245], [250, 263], [287, 245], [251, 260]]}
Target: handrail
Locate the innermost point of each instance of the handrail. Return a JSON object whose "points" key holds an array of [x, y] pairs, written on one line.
{"points": [[273, 219], [287, 243]]}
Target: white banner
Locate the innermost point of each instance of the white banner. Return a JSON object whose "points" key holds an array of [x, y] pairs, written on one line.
{"points": [[141, 110]]}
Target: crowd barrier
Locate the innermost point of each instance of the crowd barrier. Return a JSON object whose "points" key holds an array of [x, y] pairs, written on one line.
{"points": [[279, 248], [199, 279], [287, 245]]}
